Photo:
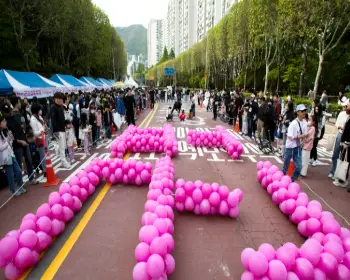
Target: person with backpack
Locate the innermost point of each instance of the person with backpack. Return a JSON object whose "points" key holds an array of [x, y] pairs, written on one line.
{"points": [[297, 131]]}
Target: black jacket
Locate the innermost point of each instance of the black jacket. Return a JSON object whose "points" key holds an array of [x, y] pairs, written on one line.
{"points": [[252, 107], [57, 118], [130, 103], [107, 118], [18, 133]]}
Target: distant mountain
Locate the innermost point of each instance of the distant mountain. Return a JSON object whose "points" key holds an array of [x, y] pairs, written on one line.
{"points": [[135, 38]]}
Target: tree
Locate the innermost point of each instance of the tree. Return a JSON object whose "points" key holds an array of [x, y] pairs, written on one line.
{"points": [[333, 23], [165, 55], [172, 54]]}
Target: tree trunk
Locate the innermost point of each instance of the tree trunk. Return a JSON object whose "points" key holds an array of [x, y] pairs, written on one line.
{"points": [[318, 75], [254, 78], [26, 62], [266, 78], [278, 79], [245, 78], [303, 71]]}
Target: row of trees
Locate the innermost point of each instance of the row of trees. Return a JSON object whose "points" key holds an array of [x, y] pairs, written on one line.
{"points": [[66, 36], [275, 45]]}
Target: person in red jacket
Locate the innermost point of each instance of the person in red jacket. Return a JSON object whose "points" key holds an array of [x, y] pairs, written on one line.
{"points": [[182, 116]]}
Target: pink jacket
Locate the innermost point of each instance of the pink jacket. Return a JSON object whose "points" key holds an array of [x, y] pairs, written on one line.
{"points": [[308, 141]]}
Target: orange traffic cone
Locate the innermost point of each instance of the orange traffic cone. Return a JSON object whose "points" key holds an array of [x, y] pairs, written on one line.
{"points": [[51, 179], [201, 104], [138, 111], [291, 168], [236, 129]]}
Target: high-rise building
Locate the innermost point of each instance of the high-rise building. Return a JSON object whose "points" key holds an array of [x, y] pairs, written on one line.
{"points": [[155, 41], [188, 21]]}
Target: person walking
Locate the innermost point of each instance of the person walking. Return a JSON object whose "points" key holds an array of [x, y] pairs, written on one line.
{"points": [[260, 117], [297, 131], [130, 104], [59, 127], [76, 119], [308, 144]]}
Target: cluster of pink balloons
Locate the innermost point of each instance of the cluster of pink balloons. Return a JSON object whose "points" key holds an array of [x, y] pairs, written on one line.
{"points": [[233, 147], [127, 172], [144, 140], [325, 255], [220, 137], [20, 249], [204, 199], [153, 253]]}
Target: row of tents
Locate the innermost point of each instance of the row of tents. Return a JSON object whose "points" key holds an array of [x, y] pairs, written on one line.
{"points": [[30, 84]]}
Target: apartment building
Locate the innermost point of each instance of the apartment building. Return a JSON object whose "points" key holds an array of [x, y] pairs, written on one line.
{"points": [[155, 41]]}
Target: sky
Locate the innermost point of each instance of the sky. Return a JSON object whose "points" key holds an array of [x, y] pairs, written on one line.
{"points": [[126, 12]]}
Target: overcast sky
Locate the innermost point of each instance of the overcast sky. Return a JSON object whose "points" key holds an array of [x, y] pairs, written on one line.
{"points": [[126, 12]]}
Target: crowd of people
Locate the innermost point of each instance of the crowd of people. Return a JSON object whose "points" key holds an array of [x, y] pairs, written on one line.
{"points": [[69, 120]]}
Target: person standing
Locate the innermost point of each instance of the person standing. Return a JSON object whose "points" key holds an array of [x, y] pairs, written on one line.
{"points": [[130, 104], [342, 120], [20, 142], [324, 100], [297, 131], [39, 131], [277, 110], [260, 117], [59, 127], [252, 108], [308, 143], [93, 123], [76, 119], [8, 159], [216, 102], [121, 106], [152, 93]]}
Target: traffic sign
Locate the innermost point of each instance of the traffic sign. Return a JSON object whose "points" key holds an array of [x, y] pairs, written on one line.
{"points": [[169, 71]]}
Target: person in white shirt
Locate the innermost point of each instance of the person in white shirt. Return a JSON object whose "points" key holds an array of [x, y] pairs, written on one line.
{"points": [[342, 119], [297, 131]]}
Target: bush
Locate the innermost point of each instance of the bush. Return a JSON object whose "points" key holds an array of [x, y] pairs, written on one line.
{"points": [[332, 108]]}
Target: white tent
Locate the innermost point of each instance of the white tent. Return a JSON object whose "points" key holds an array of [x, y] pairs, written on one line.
{"points": [[129, 82]]}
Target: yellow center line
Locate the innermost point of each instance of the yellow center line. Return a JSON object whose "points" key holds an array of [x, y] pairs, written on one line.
{"points": [[68, 245]]}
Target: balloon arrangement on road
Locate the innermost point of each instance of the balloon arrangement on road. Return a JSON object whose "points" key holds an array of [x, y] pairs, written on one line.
{"points": [[324, 255], [142, 140], [20, 248], [153, 253], [204, 198], [219, 138]]}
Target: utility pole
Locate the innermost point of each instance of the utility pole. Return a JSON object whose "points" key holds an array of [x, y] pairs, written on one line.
{"points": [[206, 62]]}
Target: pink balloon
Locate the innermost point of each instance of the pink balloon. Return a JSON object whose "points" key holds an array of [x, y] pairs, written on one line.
{"points": [[277, 270], [328, 264], [27, 224], [189, 204], [56, 227], [313, 225], [214, 199], [234, 212], [44, 224], [43, 210], [8, 248], [268, 251], [247, 276], [223, 192], [148, 233], [314, 211], [142, 252], [335, 249], [343, 272], [64, 188], [286, 256], [161, 225], [311, 250], [346, 260], [23, 258], [44, 241], [54, 198], [319, 274], [245, 257], [12, 272], [197, 196], [155, 266], [170, 241], [204, 207], [67, 214], [28, 239], [83, 194], [304, 269], [169, 264], [158, 246], [140, 272], [258, 264]]}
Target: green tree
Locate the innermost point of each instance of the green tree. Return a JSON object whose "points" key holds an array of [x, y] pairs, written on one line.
{"points": [[165, 55], [172, 54]]}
